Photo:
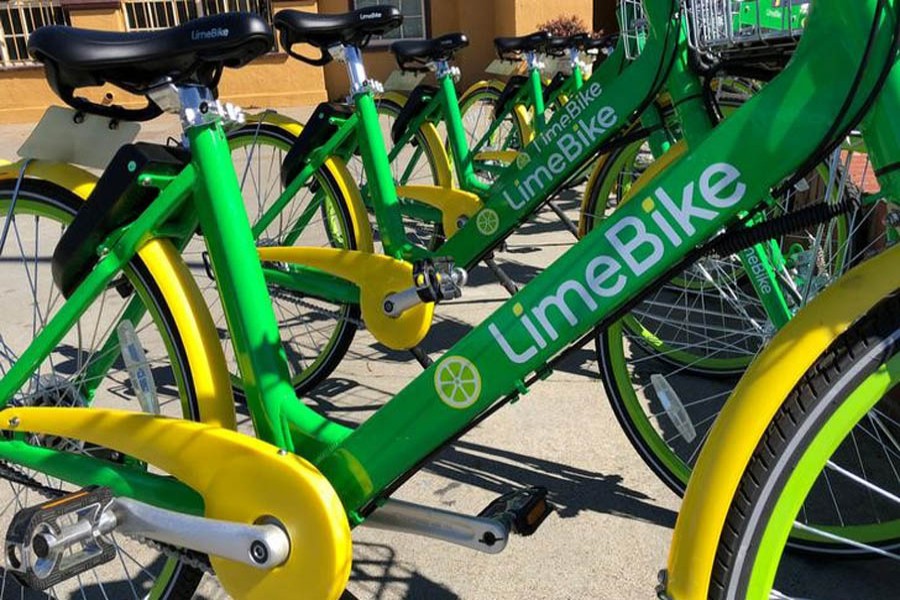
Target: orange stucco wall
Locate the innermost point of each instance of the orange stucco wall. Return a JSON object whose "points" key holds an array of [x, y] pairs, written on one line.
{"points": [[277, 80], [481, 20]]}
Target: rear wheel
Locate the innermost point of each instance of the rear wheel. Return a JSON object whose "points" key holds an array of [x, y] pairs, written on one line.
{"points": [[86, 369], [846, 407], [479, 113], [669, 366]]}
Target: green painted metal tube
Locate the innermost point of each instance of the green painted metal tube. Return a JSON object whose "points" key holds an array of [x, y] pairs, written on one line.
{"points": [[636, 245], [380, 181], [247, 305], [124, 480]]}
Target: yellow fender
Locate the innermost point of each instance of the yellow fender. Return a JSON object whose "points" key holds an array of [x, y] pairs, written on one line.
{"points": [[359, 218], [442, 162], [480, 85], [271, 117], [452, 203], [752, 406], [664, 162], [241, 479], [377, 276], [658, 166], [585, 198], [75, 179], [202, 346]]}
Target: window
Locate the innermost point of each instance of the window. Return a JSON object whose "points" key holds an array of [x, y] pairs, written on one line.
{"points": [[18, 19], [414, 18], [147, 15]]}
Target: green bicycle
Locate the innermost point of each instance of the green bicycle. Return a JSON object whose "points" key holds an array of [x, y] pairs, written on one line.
{"points": [[160, 194]]}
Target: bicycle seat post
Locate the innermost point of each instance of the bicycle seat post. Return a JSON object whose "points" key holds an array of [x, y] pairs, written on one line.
{"points": [[533, 61], [356, 70], [442, 68], [194, 104]]}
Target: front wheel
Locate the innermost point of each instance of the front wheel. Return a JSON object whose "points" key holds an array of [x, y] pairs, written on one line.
{"points": [[486, 134], [844, 408]]}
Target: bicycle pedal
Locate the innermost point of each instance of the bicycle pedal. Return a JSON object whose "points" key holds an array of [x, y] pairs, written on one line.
{"points": [[523, 511], [61, 538], [438, 280]]}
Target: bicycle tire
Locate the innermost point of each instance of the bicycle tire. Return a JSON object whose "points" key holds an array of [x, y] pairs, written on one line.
{"points": [[482, 99], [825, 414], [637, 361], [42, 199]]}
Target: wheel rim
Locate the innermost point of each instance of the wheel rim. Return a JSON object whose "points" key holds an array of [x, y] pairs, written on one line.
{"points": [[67, 380], [783, 523]]}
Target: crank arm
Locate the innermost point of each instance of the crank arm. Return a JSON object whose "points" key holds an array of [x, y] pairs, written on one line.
{"points": [[260, 546], [243, 481], [434, 282], [478, 533]]}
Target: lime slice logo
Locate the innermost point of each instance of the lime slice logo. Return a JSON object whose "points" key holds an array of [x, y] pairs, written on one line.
{"points": [[487, 221], [522, 160], [457, 382]]}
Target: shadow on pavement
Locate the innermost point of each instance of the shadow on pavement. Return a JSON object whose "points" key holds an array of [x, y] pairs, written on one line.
{"points": [[377, 574], [572, 490]]}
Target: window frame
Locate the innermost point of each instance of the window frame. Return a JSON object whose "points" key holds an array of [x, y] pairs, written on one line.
{"points": [[7, 62], [200, 7]]}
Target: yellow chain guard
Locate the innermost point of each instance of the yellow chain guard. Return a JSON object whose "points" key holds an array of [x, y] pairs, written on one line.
{"points": [[452, 203], [377, 276], [241, 479]]}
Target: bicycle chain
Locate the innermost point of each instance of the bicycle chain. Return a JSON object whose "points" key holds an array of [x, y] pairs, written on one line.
{"points": [[194, 559], [297, 299]]}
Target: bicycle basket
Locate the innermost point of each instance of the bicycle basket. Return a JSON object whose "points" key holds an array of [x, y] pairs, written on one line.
{"points": [[633, 27], [744, 27]]}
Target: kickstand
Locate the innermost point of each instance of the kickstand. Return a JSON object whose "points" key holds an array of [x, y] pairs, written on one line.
{"points": [[573, 229], [421, 356], [502, 277]]}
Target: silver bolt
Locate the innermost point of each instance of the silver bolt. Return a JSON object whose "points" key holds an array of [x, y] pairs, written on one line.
{"points": [[461, 222], [258, 552], [282, 452], [14, 422]]}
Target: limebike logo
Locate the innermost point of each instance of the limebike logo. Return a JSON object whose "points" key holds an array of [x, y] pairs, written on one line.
{"points": [[209, 34], [636, 250], [581, 134]]}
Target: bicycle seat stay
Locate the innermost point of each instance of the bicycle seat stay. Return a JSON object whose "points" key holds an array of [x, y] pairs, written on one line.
{"points": [[195, 52]]}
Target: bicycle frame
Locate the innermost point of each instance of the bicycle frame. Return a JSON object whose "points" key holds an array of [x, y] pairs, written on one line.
{"points": [[639, 244], [684, 87]]}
